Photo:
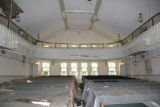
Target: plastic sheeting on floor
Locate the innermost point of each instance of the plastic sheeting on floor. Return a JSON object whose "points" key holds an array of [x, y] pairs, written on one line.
{"points": [[122, 90], [38, 92]]}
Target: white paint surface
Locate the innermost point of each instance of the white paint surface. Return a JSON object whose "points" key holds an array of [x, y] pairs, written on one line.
{"points": [[115, 17], [11, 69]]}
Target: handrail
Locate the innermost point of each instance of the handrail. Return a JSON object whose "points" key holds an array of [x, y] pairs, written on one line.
{"points": [[78, 45], [126, 40], [25, 35], [140, 29]]}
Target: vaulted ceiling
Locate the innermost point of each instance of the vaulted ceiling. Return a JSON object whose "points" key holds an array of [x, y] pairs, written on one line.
{"points": [[114, 17]]}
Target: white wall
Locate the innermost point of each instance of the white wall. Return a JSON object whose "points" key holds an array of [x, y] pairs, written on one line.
{"points": [[72, 36], [55, 67], [72, 54], [12, 69], [138, 70]]}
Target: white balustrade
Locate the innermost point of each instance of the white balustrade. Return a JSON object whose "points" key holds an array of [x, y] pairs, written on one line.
{"points": [[146, 40]]}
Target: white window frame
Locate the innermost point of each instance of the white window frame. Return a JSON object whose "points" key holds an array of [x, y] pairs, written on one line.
{"points": [[63, 67], [94, 70]]}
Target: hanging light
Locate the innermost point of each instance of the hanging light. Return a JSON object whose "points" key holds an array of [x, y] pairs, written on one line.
{"points": [[140, 19], [18, 19]]}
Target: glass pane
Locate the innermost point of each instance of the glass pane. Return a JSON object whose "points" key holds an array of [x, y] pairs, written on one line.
{"points": [[63, 64], [84, 65], [83, 73], [45, 72], [112, 69], [94, 69], [73, 73], [111, 64], [74, 46], [74, 69], [45, 65], [94, 46], [74, 65], [45, 69], [111, 73], [46, 46], [63, 45], [64, 69], [94, 73], [84, 46], [95, 65], [63, 73], [84, 69]]}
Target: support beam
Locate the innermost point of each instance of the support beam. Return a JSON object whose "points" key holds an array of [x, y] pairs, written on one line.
{"points": [[79, 12], [94, 17], [64, 16]]}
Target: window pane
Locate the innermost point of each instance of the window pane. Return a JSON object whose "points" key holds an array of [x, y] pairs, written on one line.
{"points": [[74, 46], [45, 65], [46, 46], [112, 73], [83, 46], [63, 73], [112, 69], [45, 72], [64, 69], [84, 69], [111, 64], [74, 65], [74, 69], [94, 69], [63, 46], [94, 73], [63, 64], [83, 73], [95, 65], [94, 46], [45, 69], [84, 65], [74, 73]]}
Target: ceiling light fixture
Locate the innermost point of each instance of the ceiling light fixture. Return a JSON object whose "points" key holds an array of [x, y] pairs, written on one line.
{"points": [[18, 19], [140, 19]]}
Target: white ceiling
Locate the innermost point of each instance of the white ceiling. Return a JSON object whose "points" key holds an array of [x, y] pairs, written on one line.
{"points": [[115, 16]]}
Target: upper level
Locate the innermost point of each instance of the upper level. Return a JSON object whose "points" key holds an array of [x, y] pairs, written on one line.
{"points": [[21, 42]]}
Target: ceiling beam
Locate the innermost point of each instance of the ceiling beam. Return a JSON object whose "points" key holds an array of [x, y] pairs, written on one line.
{"points": [[94, 17], [79, 11], [64, 16]]}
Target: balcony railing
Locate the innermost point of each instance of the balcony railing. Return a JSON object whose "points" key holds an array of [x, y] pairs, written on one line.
{"points": [[148, 24], [144, 27], [77, 45], [15, 28]]}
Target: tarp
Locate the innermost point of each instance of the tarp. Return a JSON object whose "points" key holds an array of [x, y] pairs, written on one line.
{"points": [[109, 91], [38, 92]]}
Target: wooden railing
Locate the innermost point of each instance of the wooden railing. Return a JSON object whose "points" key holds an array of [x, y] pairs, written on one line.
{"points": [[149, 23], [144, 27], [77, 45], [15, 28]]}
